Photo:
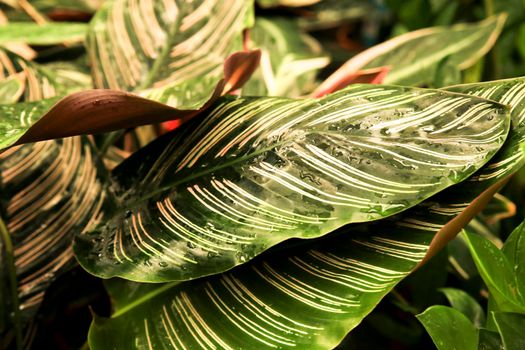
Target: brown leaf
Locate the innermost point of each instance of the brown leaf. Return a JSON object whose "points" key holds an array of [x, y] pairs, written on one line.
{"points": [[103, 110]]}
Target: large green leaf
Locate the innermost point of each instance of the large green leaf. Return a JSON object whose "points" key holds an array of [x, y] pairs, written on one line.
{"points": [[290, 59], [449, 328], [306, 294], [170, 51], [414, 57], [258, 171]]}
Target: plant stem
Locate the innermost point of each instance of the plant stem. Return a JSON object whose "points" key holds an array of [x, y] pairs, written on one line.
{"points": [[489, 7], [489, 11], [6, 238]]}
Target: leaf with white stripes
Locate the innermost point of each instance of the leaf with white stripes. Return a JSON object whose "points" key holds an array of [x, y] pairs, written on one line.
{"points": [[290, 59], [50, 191], [414, 57], [304, 295], [169, 51], [509, 92], [258, 171]]}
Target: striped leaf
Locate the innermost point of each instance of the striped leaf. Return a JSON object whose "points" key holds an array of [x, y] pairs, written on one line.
{"points": [[302, 295], [258, 171], [414, 57], [290, 59], [169, 51], [49, 191]]}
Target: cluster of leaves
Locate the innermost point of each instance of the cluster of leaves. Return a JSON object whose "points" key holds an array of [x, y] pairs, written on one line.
{"points": [[187, 153]]}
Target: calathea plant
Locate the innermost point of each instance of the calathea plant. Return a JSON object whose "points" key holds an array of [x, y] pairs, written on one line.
{"points": [[274, 221]]}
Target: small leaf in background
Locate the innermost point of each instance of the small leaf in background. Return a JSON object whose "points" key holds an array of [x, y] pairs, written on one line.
{"points": [[511, 327], [514, 251], [290, 59], [258, 171], [414, 56], [48, 34], [449, 328], [464, 303], [497, 273], [172, 53], [343, 79]]}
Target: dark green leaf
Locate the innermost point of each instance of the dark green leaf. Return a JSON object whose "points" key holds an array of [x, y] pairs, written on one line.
{"points": [[514, 250], [510, 327], [465, 304]]}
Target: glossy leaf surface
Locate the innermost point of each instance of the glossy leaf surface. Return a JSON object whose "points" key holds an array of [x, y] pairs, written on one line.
{"points": [[259, 171], [309, 296]]}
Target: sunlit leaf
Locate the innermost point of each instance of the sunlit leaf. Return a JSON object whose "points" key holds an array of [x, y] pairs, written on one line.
{"points": [[413, 57], [449, 328], [257, 171], [169, 51], [290, 59]]}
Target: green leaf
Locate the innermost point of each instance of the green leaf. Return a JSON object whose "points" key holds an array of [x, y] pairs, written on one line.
{"points": [[290, 59], [497, 273], [465, 304], [48, 34], [11, 89], [168, 51], [514, 251], [449, 328], [510, 327], [258, 171], [328, 14], [414, 57]]}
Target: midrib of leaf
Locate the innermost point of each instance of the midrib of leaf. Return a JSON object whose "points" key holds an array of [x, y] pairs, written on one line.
{"points": [[438, 56], [196, 175], [145, 298], [160, 60]]}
